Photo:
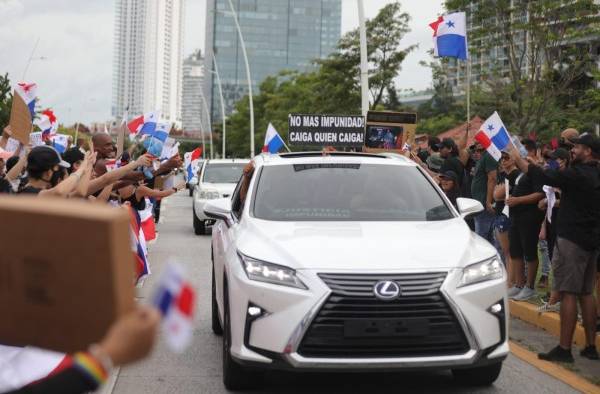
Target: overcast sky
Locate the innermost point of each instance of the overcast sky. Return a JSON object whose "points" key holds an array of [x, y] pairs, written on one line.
{"points": [[73, 62]]}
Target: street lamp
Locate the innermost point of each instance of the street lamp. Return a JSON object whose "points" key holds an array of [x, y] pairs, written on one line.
{"points": [[243, 45], [216, 72], [209, 125], [364, 66]]}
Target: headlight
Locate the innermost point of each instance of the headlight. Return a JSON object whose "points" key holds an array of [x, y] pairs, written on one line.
{"points": [[270, 273], [480, 272], [208, 194]]}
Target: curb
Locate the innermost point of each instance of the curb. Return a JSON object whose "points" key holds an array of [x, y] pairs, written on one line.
{"points": [[549, 321], [554, 370]]}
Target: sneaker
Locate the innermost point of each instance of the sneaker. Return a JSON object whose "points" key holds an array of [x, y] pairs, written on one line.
{"points": [[547, 307], [590, 352], [543, 283], [513, 291], [525, 294], [557, 354]]}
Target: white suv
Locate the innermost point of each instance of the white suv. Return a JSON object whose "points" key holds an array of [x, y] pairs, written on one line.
{"points": [[216, 179], [353, 262]]}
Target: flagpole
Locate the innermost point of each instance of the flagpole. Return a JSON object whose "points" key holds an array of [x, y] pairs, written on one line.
{"points": [[468, 88], [30, 58]]}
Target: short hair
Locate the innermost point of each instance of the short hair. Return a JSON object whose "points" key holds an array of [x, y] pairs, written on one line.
{"points": [[11, 162]]}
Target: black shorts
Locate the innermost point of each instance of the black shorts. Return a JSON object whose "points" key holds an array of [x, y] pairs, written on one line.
{"points": [[523, 236]]}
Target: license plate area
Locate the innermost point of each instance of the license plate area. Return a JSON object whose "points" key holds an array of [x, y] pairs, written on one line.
{"points": [[386, 328]]}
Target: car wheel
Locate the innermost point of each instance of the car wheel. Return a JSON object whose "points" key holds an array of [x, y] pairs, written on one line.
{"points": [[478, 376], [199, 226], [216, 323], [235, 376]]}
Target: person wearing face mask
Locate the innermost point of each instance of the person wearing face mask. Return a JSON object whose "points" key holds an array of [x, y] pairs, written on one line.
{"points": [[45, 171]]}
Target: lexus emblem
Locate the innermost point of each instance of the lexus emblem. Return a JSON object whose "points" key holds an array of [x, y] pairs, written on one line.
{"points": [[386, 290]]}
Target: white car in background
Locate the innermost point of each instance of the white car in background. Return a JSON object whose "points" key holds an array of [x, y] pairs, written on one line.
{"points": [[215, 179], [353, 262]]}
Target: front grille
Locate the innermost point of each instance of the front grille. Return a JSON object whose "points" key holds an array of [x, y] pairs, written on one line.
{"points": [[435, 332]]}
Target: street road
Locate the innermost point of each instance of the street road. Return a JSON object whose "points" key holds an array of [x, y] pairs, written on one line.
{"points": [[198, 370]]}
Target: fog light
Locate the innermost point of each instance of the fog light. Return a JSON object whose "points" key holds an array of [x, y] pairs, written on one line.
{"points": [[496, 308], [254, 311]]}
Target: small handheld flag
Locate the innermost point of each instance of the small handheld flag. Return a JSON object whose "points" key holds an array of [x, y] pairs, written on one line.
{"points": [[493, 136], [47, 124], [60, 142], [191, 160], [175, 298], [273, 141], [144, 124], [450, 36]]}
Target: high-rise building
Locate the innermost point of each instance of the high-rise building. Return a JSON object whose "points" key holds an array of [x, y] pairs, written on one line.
{"points": [[279, 35], [148, 52], [192, 107]]}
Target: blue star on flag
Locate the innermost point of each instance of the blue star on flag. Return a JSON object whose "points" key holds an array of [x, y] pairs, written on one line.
{"points": [[491, 127], [450, 24]]}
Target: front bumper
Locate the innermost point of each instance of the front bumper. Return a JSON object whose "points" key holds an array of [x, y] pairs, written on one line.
{"points": [[273, 339]]}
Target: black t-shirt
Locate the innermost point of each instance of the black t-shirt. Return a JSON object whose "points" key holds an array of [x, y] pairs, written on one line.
{"points": [[453, 163], [30, 190], [5, 186], [512, 177], [525, 185]]}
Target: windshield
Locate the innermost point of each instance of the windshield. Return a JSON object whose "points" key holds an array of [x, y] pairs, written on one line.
{"points": [[347, 192], [223, 172]]}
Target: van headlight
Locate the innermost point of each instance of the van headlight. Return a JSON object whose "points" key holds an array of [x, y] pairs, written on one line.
{"points": [[208, 194], [481, 272], [270, 273]]}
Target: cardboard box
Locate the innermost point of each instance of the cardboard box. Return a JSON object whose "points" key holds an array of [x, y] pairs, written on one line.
{"points": [[66, 271]]}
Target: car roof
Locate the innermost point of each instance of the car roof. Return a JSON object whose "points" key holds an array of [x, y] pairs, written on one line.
{"points": [[227, 161], [386, 158]]}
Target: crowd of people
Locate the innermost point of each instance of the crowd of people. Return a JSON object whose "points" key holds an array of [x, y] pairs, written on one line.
{"points": [[540, 206], [88, 169]]}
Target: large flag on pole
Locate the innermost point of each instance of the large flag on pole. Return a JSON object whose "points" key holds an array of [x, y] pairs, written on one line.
{"points": [[450, 36], [493, 136], [273, 141]]}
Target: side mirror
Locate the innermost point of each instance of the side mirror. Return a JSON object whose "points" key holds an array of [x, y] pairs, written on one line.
{"points": [[219, 209], [467, 207]]}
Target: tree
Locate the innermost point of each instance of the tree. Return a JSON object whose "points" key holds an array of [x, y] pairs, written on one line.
{"points": [[548, 50], [5, 100]]}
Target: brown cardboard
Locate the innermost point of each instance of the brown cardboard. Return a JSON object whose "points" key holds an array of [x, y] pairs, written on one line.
{"points": [[66, 271], [159, 182], [20, 120]]}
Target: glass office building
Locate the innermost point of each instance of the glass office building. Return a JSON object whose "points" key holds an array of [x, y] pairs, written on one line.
{"points": [[279, 35]]}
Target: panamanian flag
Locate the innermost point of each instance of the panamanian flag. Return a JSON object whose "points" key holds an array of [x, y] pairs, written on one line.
{"points": [[493, 136], [273, 141], [450, 36], [144, 124], [47, 123]]}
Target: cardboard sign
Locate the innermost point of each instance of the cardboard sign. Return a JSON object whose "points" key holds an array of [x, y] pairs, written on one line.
{"points": [[35, 139], [389, 131], [326, 130], [66, 272], [20, 121]]}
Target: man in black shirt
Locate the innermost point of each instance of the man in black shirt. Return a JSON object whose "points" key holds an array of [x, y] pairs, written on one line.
{"points": [[449, 152], [577, 243]]}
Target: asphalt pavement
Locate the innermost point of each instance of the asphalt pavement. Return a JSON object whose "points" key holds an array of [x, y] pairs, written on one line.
{"points": [[198, 370]]}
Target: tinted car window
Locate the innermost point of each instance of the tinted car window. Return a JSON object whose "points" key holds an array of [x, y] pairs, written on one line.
{"points": [[347, 192], [223, 173]]}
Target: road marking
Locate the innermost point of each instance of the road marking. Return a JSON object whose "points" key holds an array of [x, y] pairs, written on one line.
{"points": [[554, 370]]}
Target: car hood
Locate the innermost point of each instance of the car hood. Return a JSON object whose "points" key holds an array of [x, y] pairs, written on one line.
{"points": [[363, 245], [222, 188]]}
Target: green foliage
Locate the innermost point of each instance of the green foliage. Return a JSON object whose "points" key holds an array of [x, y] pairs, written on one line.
{"points": [[540, 73], [5, 100], [332, 87]]}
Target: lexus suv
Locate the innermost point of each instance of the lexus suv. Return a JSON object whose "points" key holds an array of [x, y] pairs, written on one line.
{"points": [[216, 179], [352, 262]]}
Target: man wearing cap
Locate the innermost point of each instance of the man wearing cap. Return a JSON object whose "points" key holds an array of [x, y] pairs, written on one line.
{"points": [[577, 242], [566, 138], [449, 184], [482, 190], [45, 170], [449, 152]]}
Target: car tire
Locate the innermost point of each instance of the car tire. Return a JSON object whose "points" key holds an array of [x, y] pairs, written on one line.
{"points": [[216, 322], [478, 376], [235, 376], [199, 225], [191, 191]]}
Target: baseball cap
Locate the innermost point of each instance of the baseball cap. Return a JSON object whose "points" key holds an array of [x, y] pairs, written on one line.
{"points": [[451, 175], [434, 162], [433, 143], [560, 153], [447, 143], [589, 140], [43, 158], [569, 134], [73, 155]]}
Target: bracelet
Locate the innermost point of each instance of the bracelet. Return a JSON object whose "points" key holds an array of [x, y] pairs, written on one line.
{"points": [[91, 367], [101, 356]]}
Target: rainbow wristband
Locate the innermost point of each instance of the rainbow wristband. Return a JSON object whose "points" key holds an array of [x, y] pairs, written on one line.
{"points": [[90, 367]]}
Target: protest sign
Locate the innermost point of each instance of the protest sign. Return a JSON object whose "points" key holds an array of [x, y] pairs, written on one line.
{"points": [[59, 290], [12, 145], [22, 111], [326, 130], [389, 131], [35, 139]]}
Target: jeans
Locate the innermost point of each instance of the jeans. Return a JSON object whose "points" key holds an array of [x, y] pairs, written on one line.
{"points": [[544, 257], [484, 225]]}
